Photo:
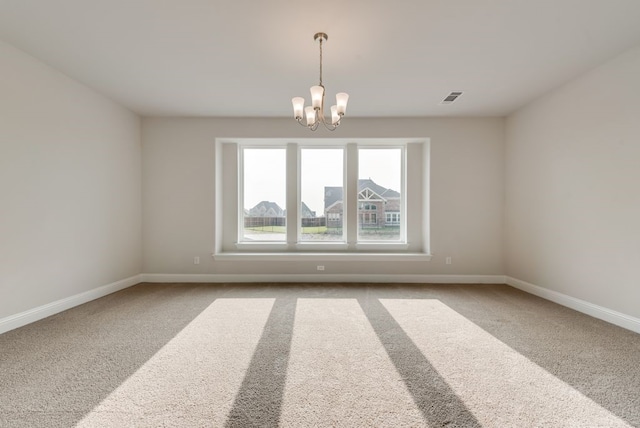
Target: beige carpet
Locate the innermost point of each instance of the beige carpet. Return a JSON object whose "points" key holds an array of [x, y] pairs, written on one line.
{"points": [[321, 355]]}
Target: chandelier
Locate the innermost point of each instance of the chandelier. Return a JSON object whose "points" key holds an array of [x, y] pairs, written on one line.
{"points": [[315, 112]]}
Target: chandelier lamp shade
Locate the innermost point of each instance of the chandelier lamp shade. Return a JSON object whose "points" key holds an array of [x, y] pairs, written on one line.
{"points": [[314, 113]]}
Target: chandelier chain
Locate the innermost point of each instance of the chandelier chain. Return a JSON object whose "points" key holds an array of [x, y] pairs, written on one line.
{"points": [[320, 61]]}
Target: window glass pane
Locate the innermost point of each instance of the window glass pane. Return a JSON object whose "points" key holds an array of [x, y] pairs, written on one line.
{"points": [[321, 211], [379, 194], [264, 192]]}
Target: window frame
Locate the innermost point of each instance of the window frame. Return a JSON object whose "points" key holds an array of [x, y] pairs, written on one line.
{"points": [[241, 169], [402, 241], [229, 210]]}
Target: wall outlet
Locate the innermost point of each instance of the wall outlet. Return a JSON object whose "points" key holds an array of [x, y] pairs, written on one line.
{"points": [[320, 267], [448, 260], [196, 260]]}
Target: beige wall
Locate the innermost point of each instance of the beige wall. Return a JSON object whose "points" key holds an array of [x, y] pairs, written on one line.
{"points": [[552, 190], [573, 188], [467, 163], [69, 186]]}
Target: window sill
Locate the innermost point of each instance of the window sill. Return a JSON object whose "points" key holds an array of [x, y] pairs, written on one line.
{"points": [[382, 246], [324, 256], [321, 246], [262, 246]]}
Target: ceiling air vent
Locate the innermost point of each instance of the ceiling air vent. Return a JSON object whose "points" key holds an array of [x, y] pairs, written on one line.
{"points": [[451, 97]]}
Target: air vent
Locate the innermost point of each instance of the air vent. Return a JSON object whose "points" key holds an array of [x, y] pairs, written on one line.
{"points": [[451, 97]]}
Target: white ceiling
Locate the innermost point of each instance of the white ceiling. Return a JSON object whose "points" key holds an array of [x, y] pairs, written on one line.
{"points": [[250, 57]]}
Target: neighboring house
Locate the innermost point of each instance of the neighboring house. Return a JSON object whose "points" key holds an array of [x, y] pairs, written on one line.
{"points": [[266, 209], [306, 212], [271, 209], [377, 205]]}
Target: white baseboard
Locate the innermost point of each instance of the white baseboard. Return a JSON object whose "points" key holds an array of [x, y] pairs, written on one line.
{"points": [[614, 317], [36, 314], [366, 278]]}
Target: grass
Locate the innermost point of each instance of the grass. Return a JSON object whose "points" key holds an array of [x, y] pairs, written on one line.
{"points": [[269, 229], [383, 233], [318, 230]]}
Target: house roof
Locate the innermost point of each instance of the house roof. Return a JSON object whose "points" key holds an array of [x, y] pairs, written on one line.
{"points": [[367, 183], [265, 206], [306, 211], [333, 194]]}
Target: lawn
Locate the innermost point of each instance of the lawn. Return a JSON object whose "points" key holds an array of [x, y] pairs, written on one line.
{"points": [[282, 229], [317, 230], [267, 229]]}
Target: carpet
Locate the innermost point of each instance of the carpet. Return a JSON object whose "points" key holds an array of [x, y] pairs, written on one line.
{"points": [[321, 355]]}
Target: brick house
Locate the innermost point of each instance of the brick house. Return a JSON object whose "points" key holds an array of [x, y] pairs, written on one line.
{"points": [[377, 206]]}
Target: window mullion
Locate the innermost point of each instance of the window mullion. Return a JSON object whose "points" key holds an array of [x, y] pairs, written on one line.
{"points": [[293, 194], [350, 204]]}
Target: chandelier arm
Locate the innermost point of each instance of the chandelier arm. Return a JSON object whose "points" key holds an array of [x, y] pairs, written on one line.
{"points": [[330, 127], [320, 117], [327, 125]]}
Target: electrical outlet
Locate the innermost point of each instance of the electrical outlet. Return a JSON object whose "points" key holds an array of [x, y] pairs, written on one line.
{"points": [[448, 260], [196, 260], [320, 267]]}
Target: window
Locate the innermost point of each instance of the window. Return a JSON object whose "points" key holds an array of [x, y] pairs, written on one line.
{"points": [[321, 196], [380, 185], [264, 194], [368, 219], [392, 218], [321, 179]]}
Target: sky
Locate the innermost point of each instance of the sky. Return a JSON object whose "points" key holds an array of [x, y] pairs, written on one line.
{"points": [[265, 173]]}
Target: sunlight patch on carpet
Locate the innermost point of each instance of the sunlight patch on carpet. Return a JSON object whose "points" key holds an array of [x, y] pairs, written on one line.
{"points": [[194, 378], [340, 374], [497, 384]]}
